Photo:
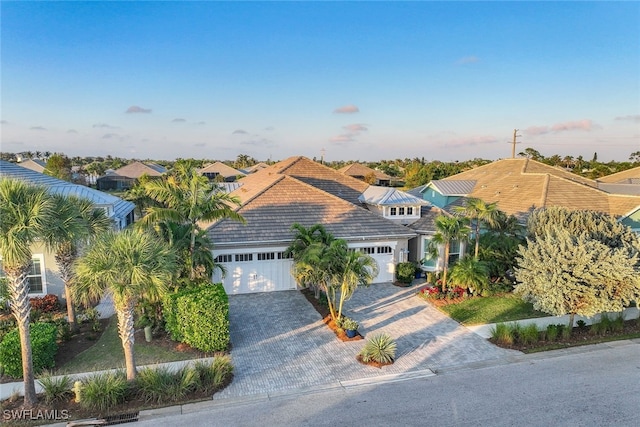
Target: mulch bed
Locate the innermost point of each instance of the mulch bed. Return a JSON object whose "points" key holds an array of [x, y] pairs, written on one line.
{"points": [[323, 310], [372, 363]]}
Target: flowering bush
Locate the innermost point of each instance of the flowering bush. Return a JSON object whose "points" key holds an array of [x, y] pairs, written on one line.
{"points": [[435, 292]]}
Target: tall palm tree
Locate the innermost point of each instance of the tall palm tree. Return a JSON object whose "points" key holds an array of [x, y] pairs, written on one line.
{"points": [[449, 228], [354, 269], [24, 213], [303, 239], [188, 198], [129, 264], [479, 212], [76, 221]]}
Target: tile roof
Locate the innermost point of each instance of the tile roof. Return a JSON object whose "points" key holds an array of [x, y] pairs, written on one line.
{"points": [[285, 200], [359, 170], [630, 176], [387, 196], [630, 188], [137, 169], [121, 207], [521, 185], [221, 169], [426, 223]]}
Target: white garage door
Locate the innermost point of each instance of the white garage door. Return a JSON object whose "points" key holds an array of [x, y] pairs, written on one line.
{"points": [[252, 272], [383, 254]]}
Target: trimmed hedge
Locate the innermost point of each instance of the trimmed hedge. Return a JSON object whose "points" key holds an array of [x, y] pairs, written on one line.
{"points": [[199, 316], [43, 349]]}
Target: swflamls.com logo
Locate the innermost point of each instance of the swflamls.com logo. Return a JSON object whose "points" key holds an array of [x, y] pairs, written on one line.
{"points": [[35, 414]]}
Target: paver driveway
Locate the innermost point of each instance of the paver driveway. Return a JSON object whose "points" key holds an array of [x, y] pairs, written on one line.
{"points": [[279, 342]]}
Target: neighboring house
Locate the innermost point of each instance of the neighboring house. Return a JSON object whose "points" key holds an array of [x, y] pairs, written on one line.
{"points": [[362, 172], [127, 176], [254, 168], [37, 165], [44, 276], [299, 190], [218, 171], [393, 204], [519, 186]]}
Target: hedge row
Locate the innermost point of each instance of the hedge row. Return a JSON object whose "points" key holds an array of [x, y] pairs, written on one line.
{"points": [[43, 349]]}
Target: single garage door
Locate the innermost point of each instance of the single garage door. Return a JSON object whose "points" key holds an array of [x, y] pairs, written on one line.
{"points": [[383, 254], [252, 272]]}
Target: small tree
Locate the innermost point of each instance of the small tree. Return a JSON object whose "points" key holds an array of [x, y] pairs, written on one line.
{"points": [[479, 212], [448, 229], [565, 274], [471, 274]]}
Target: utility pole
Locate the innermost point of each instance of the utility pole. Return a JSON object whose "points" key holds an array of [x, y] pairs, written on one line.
{"points": [[513, 146]]}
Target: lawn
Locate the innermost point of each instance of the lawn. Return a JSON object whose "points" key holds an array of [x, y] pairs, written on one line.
{"points": [[107, 352], [494, 309]]}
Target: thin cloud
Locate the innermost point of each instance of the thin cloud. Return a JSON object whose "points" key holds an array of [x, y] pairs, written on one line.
{"points": [[200, 144], [201, 123], [471, 141], [356, 127], [342, 138], [468, 60], [136, 109], [269, 128], [259, 142], [585, 125], [178, 120], [239, 132], [3, 122], [104, 126], [630, 118], [72, 131], [346, 109], [37, 128], [110, 135]]}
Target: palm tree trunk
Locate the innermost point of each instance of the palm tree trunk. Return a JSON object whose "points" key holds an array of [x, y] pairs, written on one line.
{"points": [[65, 255], [477, 237], [71, 312], [192, 249], [446, 267], [21, 308], [126, 332]]}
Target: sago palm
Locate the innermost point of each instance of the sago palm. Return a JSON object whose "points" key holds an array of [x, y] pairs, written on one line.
{"points": [[129, 264], [24, 213]]}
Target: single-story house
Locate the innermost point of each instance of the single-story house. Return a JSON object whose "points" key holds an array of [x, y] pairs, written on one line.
{"points": [[37, 165], [362, 172], [299, 190], [127, 176], [219, 169], [44, 277]]}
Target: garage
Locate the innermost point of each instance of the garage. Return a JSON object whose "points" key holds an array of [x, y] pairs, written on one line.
{"points": [[254, 271], [262, 270]]}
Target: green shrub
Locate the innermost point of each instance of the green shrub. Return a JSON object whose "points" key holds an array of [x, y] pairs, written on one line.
{"points": [[617, 324], [103, 391], [502, 334], [55, 389], [605, 323], [552, 332], [581, 324], [64, 330], [7, 326], [380, 348], [348, 323], [43, 349], [212, 375], [405, 272], [529, 334], [199, 316], [162, 385]]}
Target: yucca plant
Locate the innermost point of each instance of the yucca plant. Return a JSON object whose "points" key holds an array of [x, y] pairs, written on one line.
{"points": [[380, 348], [103, 391], [162, 385], [55, 389]]}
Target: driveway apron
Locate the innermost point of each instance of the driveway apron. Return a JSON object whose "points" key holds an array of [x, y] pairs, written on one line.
{"points": [[279, 342]]}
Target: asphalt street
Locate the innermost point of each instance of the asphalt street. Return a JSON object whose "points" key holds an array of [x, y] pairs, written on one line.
{"points": [[586, 386]]}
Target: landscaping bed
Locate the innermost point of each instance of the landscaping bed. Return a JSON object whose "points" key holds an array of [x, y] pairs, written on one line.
{"points": [[323, 310]]}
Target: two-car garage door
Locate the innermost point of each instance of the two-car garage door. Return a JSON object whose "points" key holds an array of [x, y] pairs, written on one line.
{"points": [[266, 270]]}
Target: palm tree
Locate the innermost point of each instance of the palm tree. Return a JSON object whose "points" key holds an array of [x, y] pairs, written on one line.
{"points": [[354, 269], [469, 273], [24, 212], [449, 228], [129, 264], [478, 211], [76, 221], [188, 198], [302, 240]]}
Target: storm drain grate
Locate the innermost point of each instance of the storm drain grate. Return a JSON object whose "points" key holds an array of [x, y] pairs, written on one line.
{"points": [[121, 418]]}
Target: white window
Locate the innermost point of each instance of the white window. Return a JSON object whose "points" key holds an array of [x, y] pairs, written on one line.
{"points": [[393, 211], [454, 251], [244, 257], [35, 276], [265, 256], [400, 211], [223, 258], [368, 251], [384, 249], [285, 255], [410, 210]]}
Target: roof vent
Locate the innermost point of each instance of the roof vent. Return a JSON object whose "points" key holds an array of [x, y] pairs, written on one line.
{"points": [[497, 193]]}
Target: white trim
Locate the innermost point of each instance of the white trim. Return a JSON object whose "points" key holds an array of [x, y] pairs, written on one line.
{"points": [[43, 275]]}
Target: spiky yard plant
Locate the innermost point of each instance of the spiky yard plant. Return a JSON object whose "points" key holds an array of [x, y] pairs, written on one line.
{"points": [[380, 348], [103, 391], [55, 388]]}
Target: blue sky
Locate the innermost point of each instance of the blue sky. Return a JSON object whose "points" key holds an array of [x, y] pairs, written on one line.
{"points": [[361, 80]]}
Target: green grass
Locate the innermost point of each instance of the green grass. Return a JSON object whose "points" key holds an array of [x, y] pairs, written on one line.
{"points": [[107, 353], [495, 309]]}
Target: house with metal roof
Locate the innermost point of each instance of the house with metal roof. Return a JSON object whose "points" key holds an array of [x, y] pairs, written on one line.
{"points": [[44, 275], [37, 165], [393, 204], [299, 190]]}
